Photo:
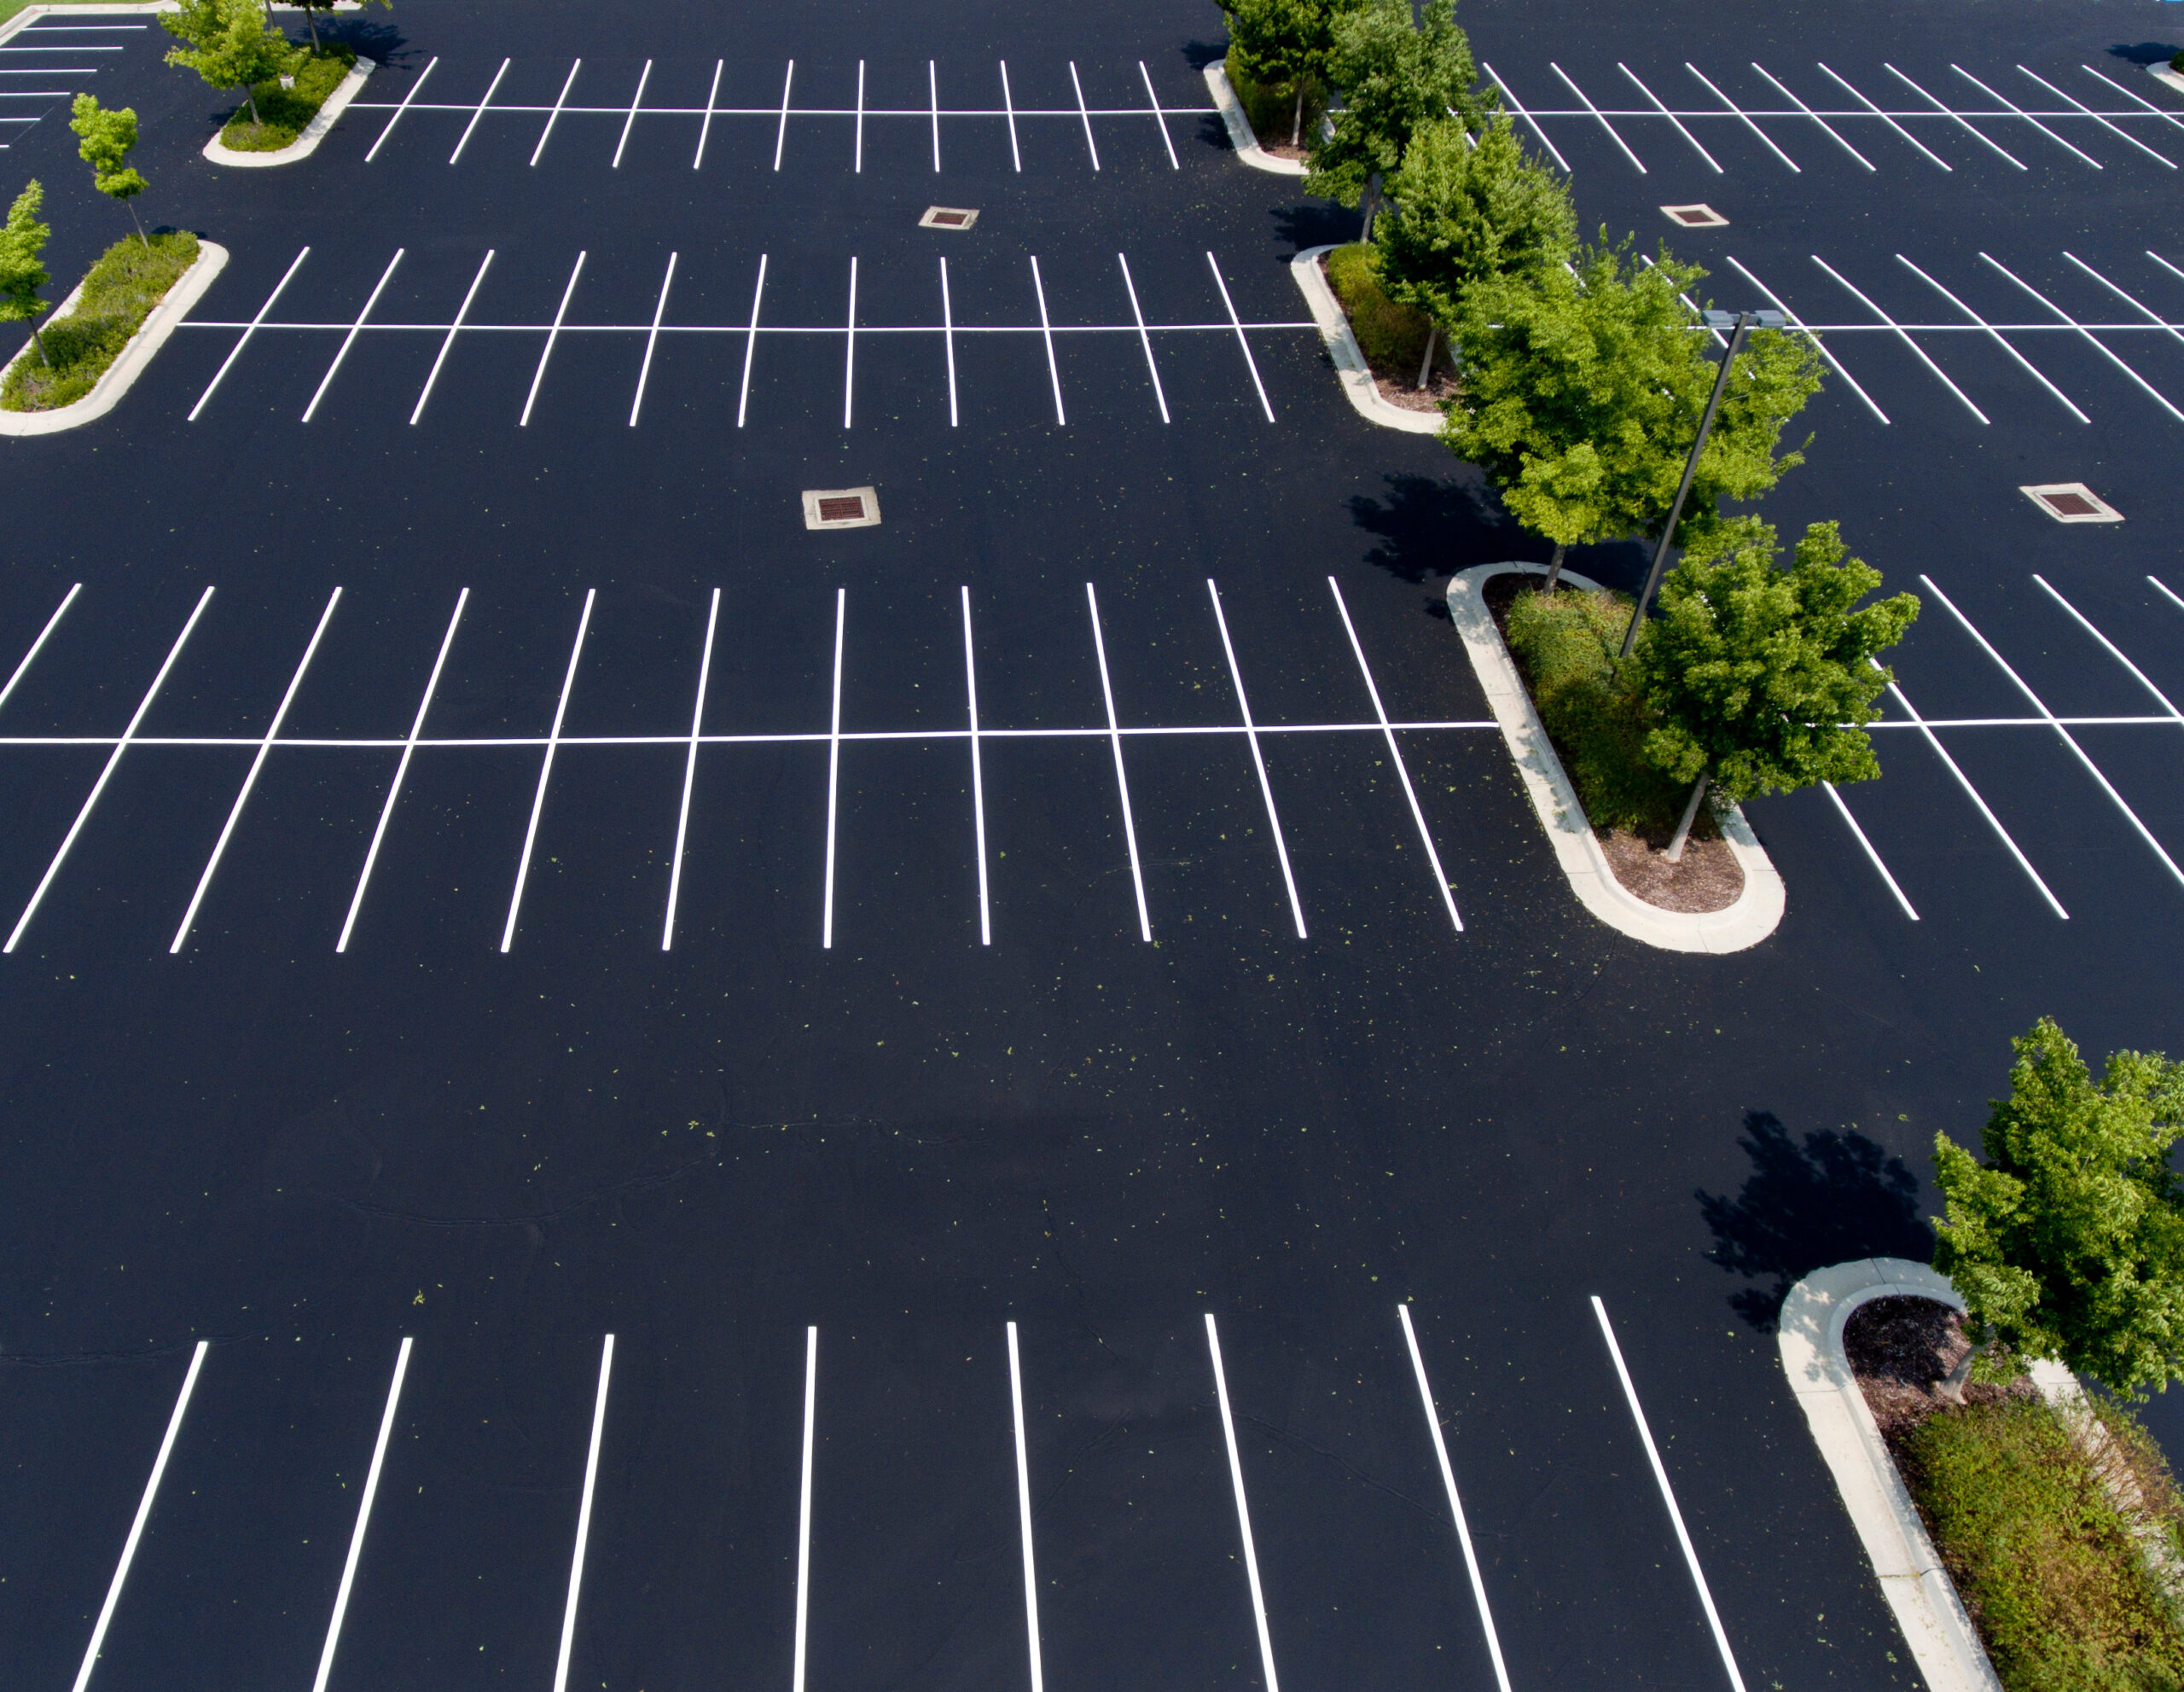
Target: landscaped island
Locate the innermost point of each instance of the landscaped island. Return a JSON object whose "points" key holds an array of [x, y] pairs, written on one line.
{"points": [[68, 355], [274, 117]]}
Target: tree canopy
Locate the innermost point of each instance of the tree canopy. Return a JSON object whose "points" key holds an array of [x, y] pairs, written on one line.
{"points": [[2068, 1240], [1460, 213], [1396, 74], [22, 271], [107, 139], [1282, 43], [230, 44]]}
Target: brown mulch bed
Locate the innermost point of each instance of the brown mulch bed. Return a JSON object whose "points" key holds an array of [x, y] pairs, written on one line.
{"points": [[1403, 391], [1900, 1350], [1281, 150]]}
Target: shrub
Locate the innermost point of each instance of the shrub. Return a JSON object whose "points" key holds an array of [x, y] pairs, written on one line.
{"points": [[119, 294], [1273, 111], [287, 111], [1390, 335]]}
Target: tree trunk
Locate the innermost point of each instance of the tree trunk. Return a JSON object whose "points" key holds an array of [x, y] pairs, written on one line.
{"points": [[40, 339], [311, 23], [1675, 853], [250, 99], [1296, 125], [1372, 205], [1951, 1386], [139, 222], [1554, 568], [1426, 364]]}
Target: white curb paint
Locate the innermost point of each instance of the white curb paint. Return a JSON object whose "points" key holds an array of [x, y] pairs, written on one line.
{"points": [[314, 132], [1918, 1588], [121, 374], [1240, 136], [1342, 346], [2162, 73], [1758, 908]]}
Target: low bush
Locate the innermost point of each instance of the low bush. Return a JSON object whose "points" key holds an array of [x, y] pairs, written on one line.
{"points": [[285, 113], [119, 294], [1391, 335], [1273, 111]]}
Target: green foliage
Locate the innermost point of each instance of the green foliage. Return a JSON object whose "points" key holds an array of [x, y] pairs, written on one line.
{"points": [[107, 140], [285, 113], [1275, 113], [2068, 1240], [228, 42], [22, 273], [2043, 1560], [1752, 672], [1391, 335], [119, 293], [1280, 49], [1460, 214], [1396, 75]]}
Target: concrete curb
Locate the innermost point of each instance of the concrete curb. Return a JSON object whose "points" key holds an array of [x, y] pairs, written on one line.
{"points": [[2162, 73], [1364, 393], [314, 132], [1758, 911], [120, 376], [1240, 135]]}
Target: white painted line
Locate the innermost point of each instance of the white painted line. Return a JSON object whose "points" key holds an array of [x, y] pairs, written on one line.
{"points": [[1517, 106], [652, 339], [583, 1517], [1798, 324], [349, 339], [1024, 1512], [1122, 780], [948, 340], [932, 85], [1243, 1508], [689, 774], [51, 623], [144, 1512], [1993, 335], [2159, 111], [1008, 105], [751, 345], [1595, 111], [467, 128], [1689, 303], [555, 116], [2067, 737], [1046, 328], [2017, 111], [1814, 115], [1234, 323], [84, 816], [1902, 334], [461, 312], [2145, 310], [1890, 122], [401, 769], [1845, 811], [2113, 649], [2165, 591], [860, 117], [1160, 116], [1956, 117], [803, 1506], [977, 777], [1668, 1497], [780, 135], [553, 334], [1144, 339], [1395, 755], [2098, 119], [1090, 145], [1258, 763], [826, 942], [250, 779], [849, 353], [1676, 120], [1972, 793], [228, 362], [705, 128], [546, 771], [1747, 121], [1456, 1504], [629, 122], [364, 1517], [2086, 334]]}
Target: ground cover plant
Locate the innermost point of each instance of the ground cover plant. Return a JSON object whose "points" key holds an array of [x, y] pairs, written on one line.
{"points": [[120, 293], [1391, 335], [283, 113]]}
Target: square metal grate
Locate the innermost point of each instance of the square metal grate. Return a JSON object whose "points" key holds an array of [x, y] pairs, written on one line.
{"points": [[841, 508], [947, 218], [2072, 502], [1695, 216]]}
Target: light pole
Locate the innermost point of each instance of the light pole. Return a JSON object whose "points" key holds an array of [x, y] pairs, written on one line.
{"points": [[1740, 325]]}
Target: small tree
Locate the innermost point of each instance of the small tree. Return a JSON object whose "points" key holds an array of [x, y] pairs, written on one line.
{"points": [[230, 44], [107, 139], [1284, 44], [2068, 1242], [22, 240], [1760, 679], [1396, 75]]}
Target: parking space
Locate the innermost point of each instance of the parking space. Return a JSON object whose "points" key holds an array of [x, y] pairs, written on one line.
{"points": [[46, 63]]}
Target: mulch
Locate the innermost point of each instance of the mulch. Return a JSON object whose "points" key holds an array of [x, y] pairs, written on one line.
{"points": [[1900, 1350]]}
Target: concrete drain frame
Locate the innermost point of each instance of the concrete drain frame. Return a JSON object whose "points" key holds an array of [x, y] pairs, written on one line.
{"points": [[2071, 502], [1695, 216], [841, 508], [948, 217]]}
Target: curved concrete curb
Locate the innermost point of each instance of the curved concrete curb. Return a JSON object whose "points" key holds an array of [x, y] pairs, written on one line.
{"points": [[1240, 134], [2162, 73], [314, 132], [1919, 1590], [1758, 908], [1342, 346], [121, 374]]}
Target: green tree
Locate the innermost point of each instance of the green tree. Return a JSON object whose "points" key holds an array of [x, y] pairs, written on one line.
{"points": [[2068, 1240], [22, 240], [1396, 74], [230, 44], [1284, 44], [1759, 679], [107, 139]]}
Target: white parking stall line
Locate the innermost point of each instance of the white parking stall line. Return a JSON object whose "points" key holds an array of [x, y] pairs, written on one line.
{"points": [[2066, 736], [1121, 780], [2113, 649], [1888, 119], [555, 116], [859, 168], [804, 1508], [1971, 792], [1047, 331], [546, 771], [2167, 592], [978, 774], [1995, 335], [712, 100], [1844, 812], [469, 128], [2086, 334], [1144, 339], [1832, 132], [652, 339], [1160, 116], [1008, 105], [751, 344], [1242, 340], [629, 122], [1689, 305], [243, 340], [1746, 119], [401, 769], [849, 354], [462, 312], [44, 635], [1517, 106], [584, 1518], [948, 341], [1090, 146], [1672, 116], [1820, 345], [349, 339], [1595, 111], [2105, 123], [143, 1514], [1395, 755], [689, 774], [826, 943], [932, 86], [1957, 118], [1668, 1497], [2159, 111], [83, 814], [1258, 763], [2017, 111], [553, 334], [250, 777], [1243, 1506], [364, 1517], [780, 135], [1024, 1512], [1903, 335]]}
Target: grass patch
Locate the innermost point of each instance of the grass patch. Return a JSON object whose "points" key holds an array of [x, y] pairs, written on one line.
{"points": [[285, 113], [119, 294], [9, 7], [1273, 111], [1390, 335]]}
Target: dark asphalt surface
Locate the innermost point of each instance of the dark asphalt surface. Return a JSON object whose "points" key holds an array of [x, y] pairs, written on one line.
{"points": [[910, 1139]]}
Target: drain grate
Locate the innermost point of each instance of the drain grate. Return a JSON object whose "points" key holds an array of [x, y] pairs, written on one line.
{"points": [[1695, 216], [947, 218], [2072, 502], [841, 508]]}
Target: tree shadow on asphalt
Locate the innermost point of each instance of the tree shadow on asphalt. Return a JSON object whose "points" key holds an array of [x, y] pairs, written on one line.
{"points": [[1429, 527], [367, 38], [1838, 1197], [2146, 53], [1317, 223]]}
